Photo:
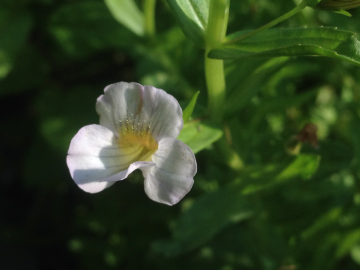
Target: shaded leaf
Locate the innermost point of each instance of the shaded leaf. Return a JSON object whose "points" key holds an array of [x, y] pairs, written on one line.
{"points": [[338, 4], [335, 156], [46, 161], [28, 72], [14, 29], [59, 117], [206, 217], [82, 28], [303, 166], [248, 87]]}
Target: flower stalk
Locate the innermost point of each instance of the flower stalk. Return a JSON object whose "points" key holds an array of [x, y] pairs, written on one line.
{"points": [[215, 76], [214, 69], [149, 13]]}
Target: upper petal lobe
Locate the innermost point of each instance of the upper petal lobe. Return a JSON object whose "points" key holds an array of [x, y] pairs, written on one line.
{"points": [[143, 106]]}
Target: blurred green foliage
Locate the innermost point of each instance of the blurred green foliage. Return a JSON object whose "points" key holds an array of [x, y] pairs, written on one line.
{"points": [[278, 212]]}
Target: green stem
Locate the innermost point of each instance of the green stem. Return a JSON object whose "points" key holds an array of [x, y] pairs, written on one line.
{"points": [[229, 155], [287, 15], [214, 69], [149, 12]]}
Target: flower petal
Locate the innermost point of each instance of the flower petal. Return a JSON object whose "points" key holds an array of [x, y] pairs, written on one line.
{"points": [[172, 177], [94, 155], [133, 166], [143, 106]]}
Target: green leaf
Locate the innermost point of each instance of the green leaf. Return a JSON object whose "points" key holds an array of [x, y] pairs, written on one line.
{"points": [[305, 165], [343, 12], [28, 72], [14, 29], [127, 13], [59, 117], [198, 136], [248, 87], [86, 27], [257, 179], [335, 156], [193, 18], [284, 102], [323, 41], [349, 240], [355, 253], [338, 4], [206, 217], [42, 153], [355, 134], [311, 3], [190, 108]]}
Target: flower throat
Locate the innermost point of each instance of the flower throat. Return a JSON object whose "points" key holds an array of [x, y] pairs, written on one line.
{"points": [[132, 133]]}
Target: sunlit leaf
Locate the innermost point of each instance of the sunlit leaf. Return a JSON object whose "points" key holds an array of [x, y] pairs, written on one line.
{"points": [[190, 108], [198, 135], [192, 16], [127, 13], [355, 253], [343, 12], [305, 165], [321, 41], [350, 240]]}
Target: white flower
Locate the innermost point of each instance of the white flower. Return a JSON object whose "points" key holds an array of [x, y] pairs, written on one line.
{"points": [[138, 130]]}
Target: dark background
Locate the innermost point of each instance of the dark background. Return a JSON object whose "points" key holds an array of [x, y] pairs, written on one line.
{"points": [[56, 57]]}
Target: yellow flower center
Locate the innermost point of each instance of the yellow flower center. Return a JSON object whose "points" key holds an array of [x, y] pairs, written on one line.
{"points": [[137, 135]]}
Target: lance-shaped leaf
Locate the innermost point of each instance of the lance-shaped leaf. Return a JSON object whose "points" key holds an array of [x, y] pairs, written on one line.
{"points": [[14, 28], [190, 108], [338, 4], [207, 217], [193, 17], [127, 13], [319, 41], [198, 135], [303, 166]]}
